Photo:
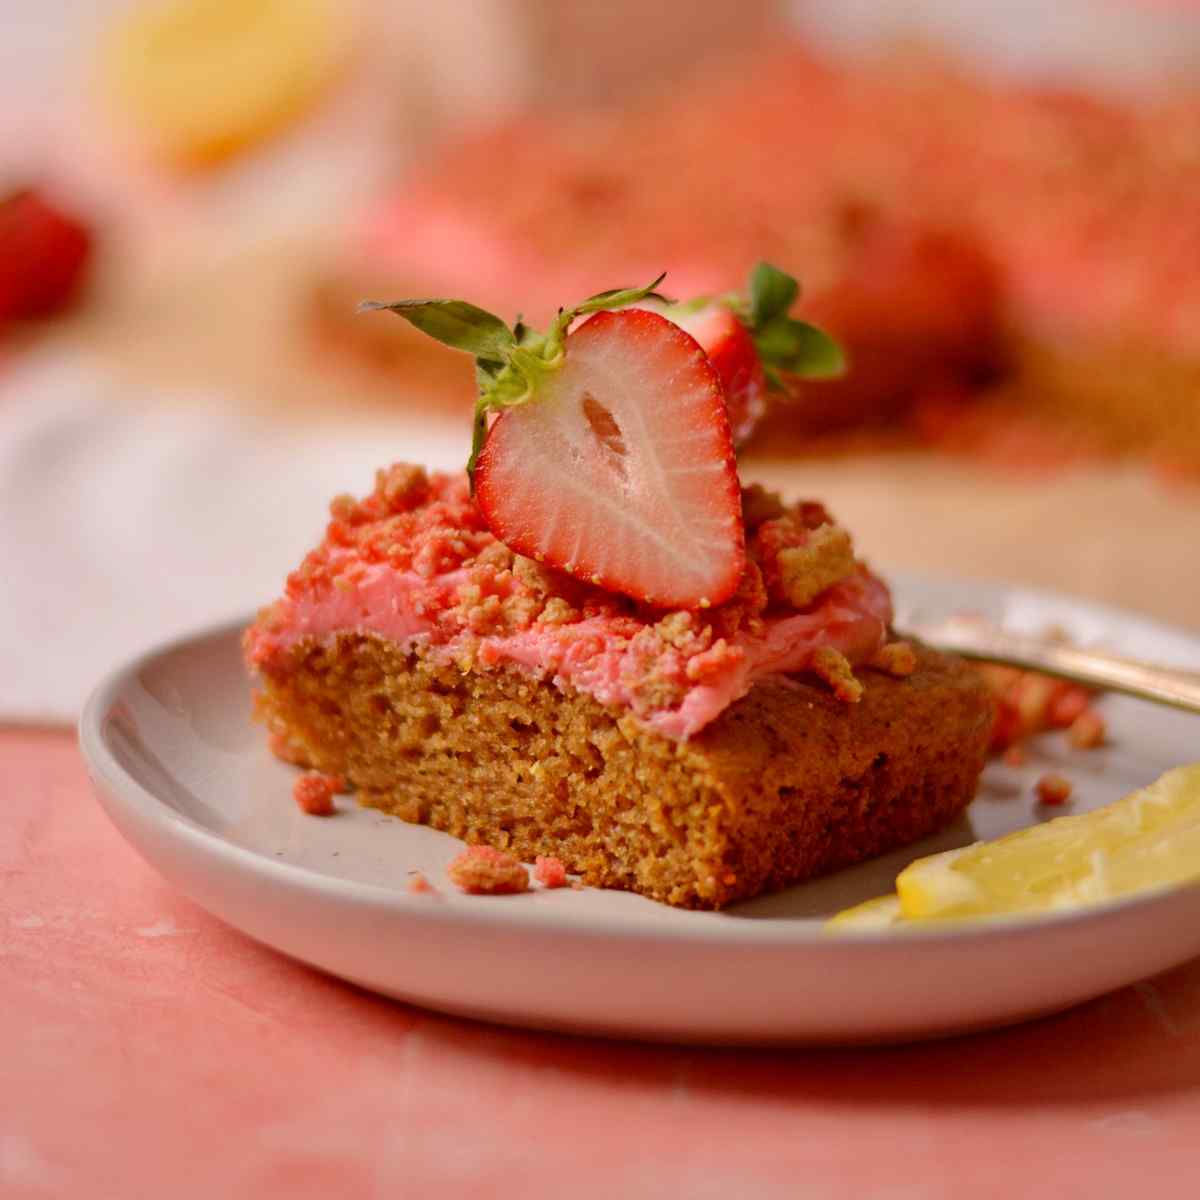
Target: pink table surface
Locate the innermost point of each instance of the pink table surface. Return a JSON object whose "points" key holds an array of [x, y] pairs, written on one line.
{"points": [[146, 1050]]}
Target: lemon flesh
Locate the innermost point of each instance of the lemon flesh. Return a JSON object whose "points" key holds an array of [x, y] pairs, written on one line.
{"points": [[881, 913], [1149, 839]]}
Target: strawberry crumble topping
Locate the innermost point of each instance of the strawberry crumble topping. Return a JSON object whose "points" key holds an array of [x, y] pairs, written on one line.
{"points": [[414, 561], [833, 667], [898, 659], [483, 870]]}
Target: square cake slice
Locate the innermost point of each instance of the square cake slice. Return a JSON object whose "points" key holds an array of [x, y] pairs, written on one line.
{"points": [[697, 756]]}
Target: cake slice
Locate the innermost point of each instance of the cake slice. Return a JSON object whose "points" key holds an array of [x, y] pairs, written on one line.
{"points": [[697, 759], [598, 647]]}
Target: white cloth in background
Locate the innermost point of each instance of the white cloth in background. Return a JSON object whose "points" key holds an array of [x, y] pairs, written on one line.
{"points": [[122, 525]]}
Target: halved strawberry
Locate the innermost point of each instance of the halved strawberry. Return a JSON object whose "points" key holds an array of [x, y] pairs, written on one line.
{"points": [[621, 471], [731, 350], [611, 455], [752, 341]]}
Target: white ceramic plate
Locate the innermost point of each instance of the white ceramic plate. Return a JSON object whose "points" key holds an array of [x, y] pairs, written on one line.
{"points": [[187, 779]]}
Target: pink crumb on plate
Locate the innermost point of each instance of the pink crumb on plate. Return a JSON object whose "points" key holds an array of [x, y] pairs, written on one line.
{"points": [[549, 871], [1053, 790], [314, 794]]}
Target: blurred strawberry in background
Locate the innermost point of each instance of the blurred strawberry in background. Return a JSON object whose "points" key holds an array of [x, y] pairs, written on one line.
{"points": [[44, 252]]}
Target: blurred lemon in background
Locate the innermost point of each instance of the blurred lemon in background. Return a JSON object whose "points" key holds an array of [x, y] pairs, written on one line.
{"points": [[201, 80]]}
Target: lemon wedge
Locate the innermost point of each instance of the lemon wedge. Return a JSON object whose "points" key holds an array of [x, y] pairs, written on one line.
{"points": [[1149, 839], [201, 79]]}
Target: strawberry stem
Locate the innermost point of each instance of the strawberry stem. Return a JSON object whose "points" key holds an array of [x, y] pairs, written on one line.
{"points": [[509, 363]]}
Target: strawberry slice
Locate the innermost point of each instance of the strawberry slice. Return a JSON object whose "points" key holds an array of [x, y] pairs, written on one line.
{"points": [[731, 350], [622, 470], [611, 456]]}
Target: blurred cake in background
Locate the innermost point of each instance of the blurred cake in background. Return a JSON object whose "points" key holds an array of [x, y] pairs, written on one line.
{"points": [[954, 231]]}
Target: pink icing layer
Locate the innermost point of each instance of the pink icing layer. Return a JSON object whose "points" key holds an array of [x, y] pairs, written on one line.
{"points": [[595, 654]]}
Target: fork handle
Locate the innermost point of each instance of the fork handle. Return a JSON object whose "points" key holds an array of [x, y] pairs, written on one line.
{"points": [[1164, 685]]}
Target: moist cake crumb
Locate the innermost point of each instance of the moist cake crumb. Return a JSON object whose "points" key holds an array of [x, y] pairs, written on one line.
{"points": [[418, 885]]}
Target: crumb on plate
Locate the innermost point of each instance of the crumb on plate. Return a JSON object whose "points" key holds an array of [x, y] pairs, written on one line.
{"points": [[549, 871], [1053, 790], [313, 792], [1015, 756], [485, 871]]}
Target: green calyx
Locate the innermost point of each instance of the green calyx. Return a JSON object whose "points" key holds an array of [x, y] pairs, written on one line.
{"points": [[510, 363], [785, 346]]}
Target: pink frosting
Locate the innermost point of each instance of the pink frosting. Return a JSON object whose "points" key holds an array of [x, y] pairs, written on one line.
{"points": [[595, 654]]}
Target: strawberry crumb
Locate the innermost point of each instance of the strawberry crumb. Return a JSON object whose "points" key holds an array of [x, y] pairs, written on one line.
{"points": [[1087, 731], [834, 668], [549, 871], [1015, 756], [1053, 790], [314, 794], [1028, 704], [1070, 703], [483, 870], [418, 885]]}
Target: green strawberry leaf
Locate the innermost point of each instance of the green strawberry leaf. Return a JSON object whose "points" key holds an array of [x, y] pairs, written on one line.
{"points": [[454, 322], [797, 348], [818, 356], [785, 346], [772, 294]]}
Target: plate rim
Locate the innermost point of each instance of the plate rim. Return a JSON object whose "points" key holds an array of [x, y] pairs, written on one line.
{"points": [[121, 789]]}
